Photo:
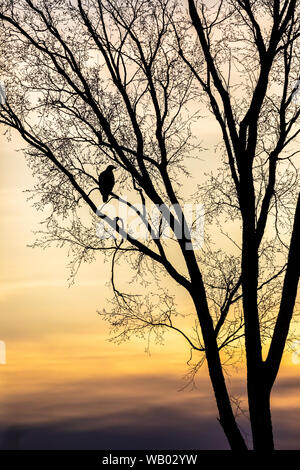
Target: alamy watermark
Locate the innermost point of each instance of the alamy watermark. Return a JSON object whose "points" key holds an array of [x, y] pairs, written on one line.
{"points": [[296, 92], [296, 352], [122, 220], [2, 352], [2, 93]]}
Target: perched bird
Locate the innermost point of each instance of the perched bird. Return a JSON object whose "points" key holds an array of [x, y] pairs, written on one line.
{"points": [[106, 182]]}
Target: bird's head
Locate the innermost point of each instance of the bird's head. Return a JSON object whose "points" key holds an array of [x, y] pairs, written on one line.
{"points": [[111, 167]]}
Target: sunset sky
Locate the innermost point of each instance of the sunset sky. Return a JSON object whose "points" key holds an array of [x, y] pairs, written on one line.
{"points": [[65, 386]]}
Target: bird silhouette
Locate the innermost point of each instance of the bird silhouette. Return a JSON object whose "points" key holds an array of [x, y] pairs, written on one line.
{"points": [[106, 182]]}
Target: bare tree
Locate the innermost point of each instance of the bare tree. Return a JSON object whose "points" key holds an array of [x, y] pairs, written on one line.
{"points": [[90, 83]]}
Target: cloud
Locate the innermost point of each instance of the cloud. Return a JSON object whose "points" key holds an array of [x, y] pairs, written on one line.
{"points": [[157, 427], [144, 412]]}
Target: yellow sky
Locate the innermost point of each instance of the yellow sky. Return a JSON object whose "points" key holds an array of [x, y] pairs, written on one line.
{"points": [[59, 362], [61, 371]]}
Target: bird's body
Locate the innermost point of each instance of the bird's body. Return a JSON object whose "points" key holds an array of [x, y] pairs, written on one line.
{"points": [[106, 182]]}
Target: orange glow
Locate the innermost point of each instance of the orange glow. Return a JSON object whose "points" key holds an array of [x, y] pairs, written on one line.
{"points": [[62, 371]]}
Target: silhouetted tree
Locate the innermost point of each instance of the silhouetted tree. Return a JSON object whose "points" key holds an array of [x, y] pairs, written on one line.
{"points": [[91, 83]]}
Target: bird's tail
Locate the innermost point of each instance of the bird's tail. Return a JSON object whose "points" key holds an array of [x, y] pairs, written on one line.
{"points": [[105, 198]]}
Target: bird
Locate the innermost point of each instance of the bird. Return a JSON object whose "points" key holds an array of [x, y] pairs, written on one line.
{"points": [[106, 182]]}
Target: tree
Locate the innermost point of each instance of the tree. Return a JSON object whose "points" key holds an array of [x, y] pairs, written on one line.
{"points": [[116, 81]]}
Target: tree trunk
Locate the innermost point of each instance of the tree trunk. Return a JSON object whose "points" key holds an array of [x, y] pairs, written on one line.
{"points": [[260, 415], [257, 377], [227, 418]]}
